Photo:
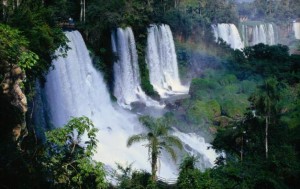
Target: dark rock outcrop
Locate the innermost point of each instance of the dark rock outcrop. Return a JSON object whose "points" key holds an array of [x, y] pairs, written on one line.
{"points": [[13, 103]]}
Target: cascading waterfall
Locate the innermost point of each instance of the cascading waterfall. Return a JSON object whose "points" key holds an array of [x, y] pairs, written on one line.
{"points": [[271, 35], [296, 27], [229, 33], [162, 61], [127, 87], [258, 33], [195, 145], [75, 88]]}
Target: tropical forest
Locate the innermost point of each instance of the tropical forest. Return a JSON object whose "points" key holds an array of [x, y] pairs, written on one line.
{"points": [[149, 94]]}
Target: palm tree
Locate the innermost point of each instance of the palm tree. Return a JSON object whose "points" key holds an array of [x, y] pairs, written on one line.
{"points": [[157, 139], [265, 103]]}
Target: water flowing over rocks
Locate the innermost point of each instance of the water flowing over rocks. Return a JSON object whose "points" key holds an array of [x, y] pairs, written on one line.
{"points": [[229, 33], [162, 61], [127, 82], [76, 88]]}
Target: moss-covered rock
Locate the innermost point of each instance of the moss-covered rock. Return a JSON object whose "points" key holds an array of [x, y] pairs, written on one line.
{"points": [[228, 79], [213, 109], [247, 87], [201, 86], [230, 89], [203, 112], [196, 113], [222, 121], [235, 106]]}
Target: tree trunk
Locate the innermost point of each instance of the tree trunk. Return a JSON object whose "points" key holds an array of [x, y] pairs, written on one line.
{"points": [[242, 148], [175, 3], [4, 5], [266, 136], [149, 2], [154, 165], [83, 10]]}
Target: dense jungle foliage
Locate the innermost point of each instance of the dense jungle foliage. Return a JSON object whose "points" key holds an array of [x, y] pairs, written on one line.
{"points": [[276, 11], [245, 102]]}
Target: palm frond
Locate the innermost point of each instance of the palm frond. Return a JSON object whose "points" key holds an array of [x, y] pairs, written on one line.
{"points": [[174, 141], [148, 122], [161, 130], [136, 138], [171, 151]]}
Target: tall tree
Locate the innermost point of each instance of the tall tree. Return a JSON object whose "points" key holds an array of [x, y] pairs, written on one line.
{"points": [[264, 102], [157, 138], [37, 24]]}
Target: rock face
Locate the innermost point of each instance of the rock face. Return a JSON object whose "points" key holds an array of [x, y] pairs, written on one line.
{"points": [[13, 103]]}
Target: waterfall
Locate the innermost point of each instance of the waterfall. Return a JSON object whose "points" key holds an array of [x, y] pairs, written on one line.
{"points": [[75, 88], [229, 33], [162, 61], [258, 33], [271, 35], [195, 145], [262, 36], [296, 27], [127, 80]]}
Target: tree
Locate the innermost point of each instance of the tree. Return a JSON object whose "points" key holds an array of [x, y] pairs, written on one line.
{"points": [[132, 179], [191, 177], [266, 61], [157, 139], [264, 102], [14, 49], [246, 138], [67, 161], [279, 10], [38, 24], [188, 175]]}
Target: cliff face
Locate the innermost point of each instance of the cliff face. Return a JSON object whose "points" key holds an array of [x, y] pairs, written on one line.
{"points": [[13, 104]]}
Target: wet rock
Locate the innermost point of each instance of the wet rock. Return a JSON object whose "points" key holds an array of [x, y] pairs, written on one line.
{"points": [[14, 102], [138, 106]]}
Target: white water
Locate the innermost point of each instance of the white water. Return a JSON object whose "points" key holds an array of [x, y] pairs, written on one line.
{"points": [[195, 145], [162, 61], [229, 33], [75, 88], [296, 27], [271, 35], [259, 33], [127, 88]]}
